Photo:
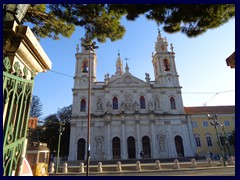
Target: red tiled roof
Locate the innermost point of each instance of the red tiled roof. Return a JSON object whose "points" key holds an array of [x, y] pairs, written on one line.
{"points": [[210, 109]]}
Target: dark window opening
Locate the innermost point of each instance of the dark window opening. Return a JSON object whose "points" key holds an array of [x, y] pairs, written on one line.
{"points": [[142, 102], [85, 67], [83, 105], [172, 102], [115, 103], [166, 65]]}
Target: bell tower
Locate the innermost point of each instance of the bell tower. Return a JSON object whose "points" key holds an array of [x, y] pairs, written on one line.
{"points": [[82, 67], [119, 66], [165, 72]]}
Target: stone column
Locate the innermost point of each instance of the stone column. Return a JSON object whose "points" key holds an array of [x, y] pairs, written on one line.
{"points": [[139, 141], [124, 147], [187, 139], [169, 139], [154, 148], [108, 146], [73, 141], [191, 135]]}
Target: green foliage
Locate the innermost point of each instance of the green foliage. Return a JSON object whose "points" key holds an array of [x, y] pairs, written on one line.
{"points": [[102, 21], [191, 19], [65, 114], [49, 132], [46, 24], [35, 107], [97, 19]]}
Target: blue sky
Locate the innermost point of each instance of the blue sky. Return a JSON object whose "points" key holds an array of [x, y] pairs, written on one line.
{"points": [[203, 73]]}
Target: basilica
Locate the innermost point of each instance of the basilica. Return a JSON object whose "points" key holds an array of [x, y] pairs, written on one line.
{"points": [[128, 114]]}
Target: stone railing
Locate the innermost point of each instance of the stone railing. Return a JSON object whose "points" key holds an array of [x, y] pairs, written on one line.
{"points": [[119, 167]]}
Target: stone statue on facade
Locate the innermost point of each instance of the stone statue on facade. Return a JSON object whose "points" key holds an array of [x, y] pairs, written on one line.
{"points": [[156, 103], [151, 107], [99, 105], [109, 107], [122, 106], [136, 106], [147, 78]]}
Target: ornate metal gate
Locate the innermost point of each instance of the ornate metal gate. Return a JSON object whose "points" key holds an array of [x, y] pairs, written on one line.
{"points": [[17, 94]]}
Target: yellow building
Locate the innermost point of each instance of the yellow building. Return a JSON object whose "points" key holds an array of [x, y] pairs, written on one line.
{"points": [[205, 132]]}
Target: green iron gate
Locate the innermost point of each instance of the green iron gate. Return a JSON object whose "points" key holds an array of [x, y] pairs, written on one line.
{"points": [[17, 95]]}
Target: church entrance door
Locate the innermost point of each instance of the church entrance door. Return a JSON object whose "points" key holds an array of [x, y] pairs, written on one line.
{"points": [[116, 150], [179, 146], [81, 149], [146, 147], [131, 147]]}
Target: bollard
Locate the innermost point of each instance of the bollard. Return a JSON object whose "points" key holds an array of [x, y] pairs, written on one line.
{"points": [[231, 161], [99, 168], [81, 169], [138, 166], [194, 163], [65, 168], [119, 167], [221, 161], [158, 166], [176, 164], [51, 167], [209, 161]]}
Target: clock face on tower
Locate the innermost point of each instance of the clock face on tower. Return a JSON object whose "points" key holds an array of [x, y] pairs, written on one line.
{"points": [[169, 79], [84, 82]]}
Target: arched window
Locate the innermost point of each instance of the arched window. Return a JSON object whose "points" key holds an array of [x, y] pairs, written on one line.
{"points": [[209, 140], [85, 66], [197, 139], [142, 102], [115, 102], [172, 103], [166, 65], [83, 105]]}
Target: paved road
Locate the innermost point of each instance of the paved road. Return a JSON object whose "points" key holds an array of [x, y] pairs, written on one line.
{"points": [[220, 171]]}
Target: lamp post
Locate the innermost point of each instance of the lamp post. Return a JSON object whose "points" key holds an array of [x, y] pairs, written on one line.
{"points": [[90, 47], [60, 130], [226, 139], [215, 123]]}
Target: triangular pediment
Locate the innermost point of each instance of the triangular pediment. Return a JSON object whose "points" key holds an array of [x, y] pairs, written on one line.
{"points": [[127, 80]]}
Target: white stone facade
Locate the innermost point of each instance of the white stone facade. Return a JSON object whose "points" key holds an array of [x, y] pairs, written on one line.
{"points": [[129, 115]]}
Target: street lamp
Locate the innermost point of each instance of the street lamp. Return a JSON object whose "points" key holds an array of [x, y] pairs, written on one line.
{"points": [[90, 47], [215, 123], [60, 130], [226, 139]]}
